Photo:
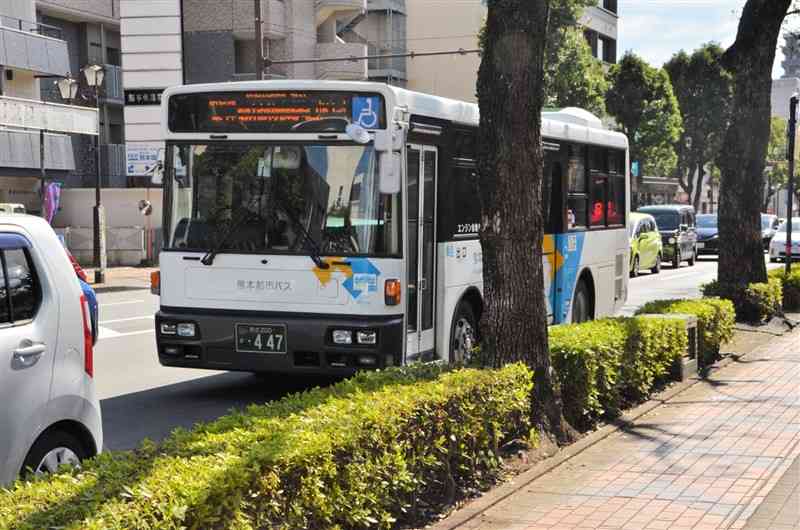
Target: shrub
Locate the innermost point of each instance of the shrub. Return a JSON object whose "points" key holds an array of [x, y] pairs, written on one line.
{"points": [[653, 346], [791, 287], [755, 303], [606, 364], [586, 359], [715, 322], [361, 454]]}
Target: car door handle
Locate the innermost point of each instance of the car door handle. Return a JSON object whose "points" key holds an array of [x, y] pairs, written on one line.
{"points": [[29, 353]]}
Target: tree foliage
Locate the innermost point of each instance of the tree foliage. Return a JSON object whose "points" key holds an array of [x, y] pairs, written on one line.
{"points": [[641, 99], [704, 90], [573, 76], [776, 172]]}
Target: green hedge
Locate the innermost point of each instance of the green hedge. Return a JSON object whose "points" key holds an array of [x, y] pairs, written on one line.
{"points": [[755, 303], [791, 287], [369, 452], [605, 365], [716, 319]]}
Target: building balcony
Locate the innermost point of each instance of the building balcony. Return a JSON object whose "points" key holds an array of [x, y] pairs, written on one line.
{"points": [[20, 149], [33, 46], [327, 8], [343, 70]]}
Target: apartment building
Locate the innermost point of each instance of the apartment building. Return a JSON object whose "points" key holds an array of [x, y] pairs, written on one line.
{"points": [[91, 31], [36, 145], [439, 25]]}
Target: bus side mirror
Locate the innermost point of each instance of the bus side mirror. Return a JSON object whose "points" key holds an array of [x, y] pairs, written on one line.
{"points": [[389, 173]]}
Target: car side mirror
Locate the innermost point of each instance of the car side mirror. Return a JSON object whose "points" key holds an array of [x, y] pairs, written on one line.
{"points": [[389, 173]]}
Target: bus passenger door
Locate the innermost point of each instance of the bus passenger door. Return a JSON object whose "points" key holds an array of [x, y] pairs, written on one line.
{"points": [[422, 166]]}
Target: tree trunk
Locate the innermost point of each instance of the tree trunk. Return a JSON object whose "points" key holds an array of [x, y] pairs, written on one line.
{"points": [[510, 159], [697, 198], [743, 154]]}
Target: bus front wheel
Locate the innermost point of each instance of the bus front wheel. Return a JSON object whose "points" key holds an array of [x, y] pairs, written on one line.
{"points": [[582, 304], [463, 334]]}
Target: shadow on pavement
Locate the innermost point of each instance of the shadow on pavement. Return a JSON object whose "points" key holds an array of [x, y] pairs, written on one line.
{"points": [[156, 412]]}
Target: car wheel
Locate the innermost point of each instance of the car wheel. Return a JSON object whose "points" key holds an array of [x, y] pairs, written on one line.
{"points": [[52, 450], [676, 258], [693, 257], [635, 267], [463, 334], [657, 267], [582, 304]]}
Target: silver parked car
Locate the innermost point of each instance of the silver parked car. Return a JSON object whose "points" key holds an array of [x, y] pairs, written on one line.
{"points": [[50, 414]]}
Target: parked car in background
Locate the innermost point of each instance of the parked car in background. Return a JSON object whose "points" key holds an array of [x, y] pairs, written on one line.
{"points": [[777, 247], [12, 207], [646, 246], [707, 234], [676, 222], [50, 414], [769, 225]]}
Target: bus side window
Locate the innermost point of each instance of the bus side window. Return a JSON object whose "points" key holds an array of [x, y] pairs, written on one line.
{"points": [[577, 198]]}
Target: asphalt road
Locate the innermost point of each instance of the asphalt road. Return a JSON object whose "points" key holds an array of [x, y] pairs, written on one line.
{"points": [[141, 399]]}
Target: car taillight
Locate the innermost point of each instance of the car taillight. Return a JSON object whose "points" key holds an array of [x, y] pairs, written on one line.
{"points": [[88, 342], [77, 266]]}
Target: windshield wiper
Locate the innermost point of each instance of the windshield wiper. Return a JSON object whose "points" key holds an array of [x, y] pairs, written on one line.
{"points": [[314, 250], [208, 259]]}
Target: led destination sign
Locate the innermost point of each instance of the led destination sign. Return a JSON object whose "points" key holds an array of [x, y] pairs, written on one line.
{"points": [[274, 111]]}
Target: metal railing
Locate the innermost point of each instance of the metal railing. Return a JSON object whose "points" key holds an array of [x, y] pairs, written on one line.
{"points": [[31, 27]]}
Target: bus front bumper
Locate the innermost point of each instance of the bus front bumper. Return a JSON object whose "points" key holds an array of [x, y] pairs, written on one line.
{"points": [[309, 345]]}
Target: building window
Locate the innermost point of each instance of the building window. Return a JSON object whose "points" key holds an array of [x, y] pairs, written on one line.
{"points": [[244, 56], [610, 5], [607, 50]]}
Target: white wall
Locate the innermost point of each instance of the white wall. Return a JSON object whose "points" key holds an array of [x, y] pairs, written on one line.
{"points": [[121, 205], [782, 90], [150, 32], [433, 26]]}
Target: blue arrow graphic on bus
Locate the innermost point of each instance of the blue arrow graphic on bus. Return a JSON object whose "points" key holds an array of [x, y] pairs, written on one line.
{"points": [[364, 277]]}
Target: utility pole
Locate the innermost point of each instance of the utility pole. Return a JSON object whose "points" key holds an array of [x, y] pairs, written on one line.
{"points": [[790, 195], [259, 41]]}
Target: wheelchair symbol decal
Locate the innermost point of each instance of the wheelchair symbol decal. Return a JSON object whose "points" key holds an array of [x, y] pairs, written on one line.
{"points": [[365, 111]]}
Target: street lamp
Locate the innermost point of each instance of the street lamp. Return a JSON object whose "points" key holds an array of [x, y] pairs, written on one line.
{"points": [[94, 78], [68, 88]]}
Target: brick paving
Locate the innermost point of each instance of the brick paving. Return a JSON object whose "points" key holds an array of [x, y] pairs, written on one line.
{"points": [[723, 454]]}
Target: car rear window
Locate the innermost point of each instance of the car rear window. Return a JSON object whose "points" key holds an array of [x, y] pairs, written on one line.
{"points": [[20, 290]]}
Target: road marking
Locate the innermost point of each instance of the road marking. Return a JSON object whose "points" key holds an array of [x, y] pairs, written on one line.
{"points": [[106, 333], [104, 304], [126, 319]]}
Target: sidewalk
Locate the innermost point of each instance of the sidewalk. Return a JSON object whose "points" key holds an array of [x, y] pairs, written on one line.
{"points": [[122, 278], [725, 453]]}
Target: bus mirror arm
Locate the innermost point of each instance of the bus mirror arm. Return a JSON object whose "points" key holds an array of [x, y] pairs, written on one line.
{"points": [[389, 173]]}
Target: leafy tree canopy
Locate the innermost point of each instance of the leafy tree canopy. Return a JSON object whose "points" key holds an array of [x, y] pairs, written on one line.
{"points": [[704, 90], [572, 76], [641, 99]]}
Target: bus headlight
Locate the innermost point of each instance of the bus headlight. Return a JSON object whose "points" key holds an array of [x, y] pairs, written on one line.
{"points": [[187, 330], [342, 336], [368, 336], [671, 241], [169, 329]]}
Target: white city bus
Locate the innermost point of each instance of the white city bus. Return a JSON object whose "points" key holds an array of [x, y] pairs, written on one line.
{"points": [[328, 226]]}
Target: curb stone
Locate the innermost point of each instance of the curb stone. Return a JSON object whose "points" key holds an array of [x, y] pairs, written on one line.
{"points": [[477, 506]]}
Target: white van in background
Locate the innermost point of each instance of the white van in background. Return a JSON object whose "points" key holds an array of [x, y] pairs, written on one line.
{"points": [[49, 413]]}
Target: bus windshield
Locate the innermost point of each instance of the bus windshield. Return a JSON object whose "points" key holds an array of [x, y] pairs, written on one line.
{"points": [[280, 198]]}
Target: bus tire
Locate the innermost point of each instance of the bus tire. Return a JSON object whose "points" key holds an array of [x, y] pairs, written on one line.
{"points": [[463, 334], [582, 303]]}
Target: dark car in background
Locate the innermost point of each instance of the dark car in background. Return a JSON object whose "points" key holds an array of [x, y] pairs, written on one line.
{"points": [[769, 225], [707, 234], [676, 222]]}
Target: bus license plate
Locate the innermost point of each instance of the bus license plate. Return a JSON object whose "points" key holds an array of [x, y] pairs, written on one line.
{"points": [[260, 339]]}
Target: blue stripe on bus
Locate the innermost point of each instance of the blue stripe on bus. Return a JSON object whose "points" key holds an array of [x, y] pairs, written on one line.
{"points": [[570, 246]]}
